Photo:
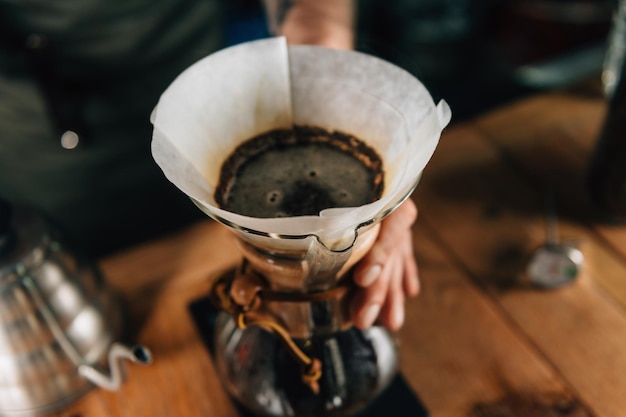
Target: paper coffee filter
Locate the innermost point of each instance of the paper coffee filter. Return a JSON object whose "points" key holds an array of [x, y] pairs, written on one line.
{"points": [[242, 91]]}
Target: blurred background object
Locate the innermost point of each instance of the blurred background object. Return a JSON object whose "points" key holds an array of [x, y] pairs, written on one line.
{"points": [[76, 95], [476, 54], [616, 46], [481, 53], [607, 169]]}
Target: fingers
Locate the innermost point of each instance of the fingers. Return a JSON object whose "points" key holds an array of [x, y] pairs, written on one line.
{"points": [[368, 301], [371, 266], [383, 300], [395, 235], [388, 273]]}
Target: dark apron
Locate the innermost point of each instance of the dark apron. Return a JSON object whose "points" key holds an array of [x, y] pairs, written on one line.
{"points": [[95, 68]]}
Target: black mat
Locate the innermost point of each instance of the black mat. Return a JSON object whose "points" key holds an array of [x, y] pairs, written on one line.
{"points": [[397, 400]]}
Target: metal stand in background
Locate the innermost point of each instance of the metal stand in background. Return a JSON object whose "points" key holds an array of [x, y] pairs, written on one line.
{"points": [[555, 263]]}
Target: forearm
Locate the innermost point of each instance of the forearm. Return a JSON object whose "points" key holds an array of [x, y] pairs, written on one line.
{"points": [[314, 22]]}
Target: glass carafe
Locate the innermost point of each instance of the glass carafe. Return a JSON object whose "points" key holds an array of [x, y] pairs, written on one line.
{"points": [[284, 343]]}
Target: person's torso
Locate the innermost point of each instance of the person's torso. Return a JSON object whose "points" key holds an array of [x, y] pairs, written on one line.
{"points": [[96, 67]]}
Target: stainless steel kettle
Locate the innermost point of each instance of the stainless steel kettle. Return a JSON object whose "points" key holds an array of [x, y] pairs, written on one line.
{"points": [[59, 321]]}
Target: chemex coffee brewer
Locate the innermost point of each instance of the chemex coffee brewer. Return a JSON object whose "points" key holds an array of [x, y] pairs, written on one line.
{"points": [[301, 151]]}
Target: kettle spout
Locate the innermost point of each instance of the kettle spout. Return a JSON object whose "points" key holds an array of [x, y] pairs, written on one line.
{"points": [[118, 353]]}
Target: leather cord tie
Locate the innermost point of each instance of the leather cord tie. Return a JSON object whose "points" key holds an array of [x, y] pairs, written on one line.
{"points": [[227, 296]]}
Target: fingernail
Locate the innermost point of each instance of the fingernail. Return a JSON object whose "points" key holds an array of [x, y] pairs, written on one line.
{"points": [[369, 315], [371, 275], [398, 318]]}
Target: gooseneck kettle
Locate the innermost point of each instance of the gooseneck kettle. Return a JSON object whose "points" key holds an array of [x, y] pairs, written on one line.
{"points": [[59, 321]]}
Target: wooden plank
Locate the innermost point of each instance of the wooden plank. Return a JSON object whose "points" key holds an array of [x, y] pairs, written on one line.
{"points": [[551, 137], [477, 363], [457, 352], [579, 116], [492, 219], [554, 153], [461, 356]]}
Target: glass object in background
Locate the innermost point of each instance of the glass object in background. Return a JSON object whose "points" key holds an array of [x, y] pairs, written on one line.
{"points": [[614, 57], [607, 170]]}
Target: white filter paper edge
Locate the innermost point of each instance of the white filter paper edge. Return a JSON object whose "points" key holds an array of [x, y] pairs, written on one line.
{"points": [[242, 91]]}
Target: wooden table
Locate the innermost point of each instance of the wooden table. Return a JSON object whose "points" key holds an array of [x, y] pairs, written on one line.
{"points": [[479, 340]]}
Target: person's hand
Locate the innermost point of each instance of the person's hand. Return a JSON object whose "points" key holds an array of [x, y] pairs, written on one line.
{"points": [[388, 272]]}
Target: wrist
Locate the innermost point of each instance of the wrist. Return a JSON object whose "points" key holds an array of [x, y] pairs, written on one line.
{"points": [[327, 23]]}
